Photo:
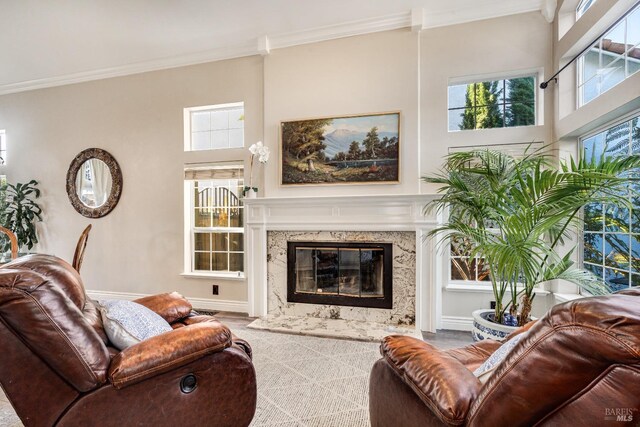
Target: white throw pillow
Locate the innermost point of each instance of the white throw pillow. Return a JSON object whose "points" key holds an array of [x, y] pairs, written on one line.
{"points": [[127, 323], [484, 371]]}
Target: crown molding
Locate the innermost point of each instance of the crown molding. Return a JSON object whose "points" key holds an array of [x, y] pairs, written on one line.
{"points": [[212, 55], [346, 29], [266, 43], [495, 9]]}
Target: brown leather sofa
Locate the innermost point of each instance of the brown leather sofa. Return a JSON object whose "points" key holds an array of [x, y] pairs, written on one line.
{"points": [[579, 365], [58, 369]]}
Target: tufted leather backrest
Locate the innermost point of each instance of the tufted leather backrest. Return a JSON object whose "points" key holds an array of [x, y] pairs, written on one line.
{"points": [[60, 271], [42, 300], [585, 349]]}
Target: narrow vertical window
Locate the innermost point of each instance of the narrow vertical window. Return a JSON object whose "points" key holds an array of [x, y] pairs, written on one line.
{"points": [[3, 147], [216, 219]]}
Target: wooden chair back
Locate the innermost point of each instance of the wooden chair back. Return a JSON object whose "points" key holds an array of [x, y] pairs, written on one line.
{"points": [[82, 244], [13, 239]]}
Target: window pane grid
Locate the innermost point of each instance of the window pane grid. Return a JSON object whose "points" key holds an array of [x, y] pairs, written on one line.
{"points": [[611, 234], [217, 227], [492, 104], [217, 128], [612, 60], [464, 268], [467, 269]]}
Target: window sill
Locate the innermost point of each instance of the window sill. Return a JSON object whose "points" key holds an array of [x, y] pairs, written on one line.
{"points": [[566, 297], [225, 276], [460, 287]]}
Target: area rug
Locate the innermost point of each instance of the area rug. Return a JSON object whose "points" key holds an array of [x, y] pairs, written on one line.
{"points": [[302, 381]]}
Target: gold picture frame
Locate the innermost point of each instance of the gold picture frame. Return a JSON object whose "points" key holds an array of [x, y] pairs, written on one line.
{"points": [[341, 150]]}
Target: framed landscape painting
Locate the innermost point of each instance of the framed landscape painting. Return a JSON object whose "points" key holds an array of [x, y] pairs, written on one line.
{"points": [[341, 150]]}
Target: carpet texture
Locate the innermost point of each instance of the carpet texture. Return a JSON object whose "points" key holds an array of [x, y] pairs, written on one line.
{"points": [[302, 381]]}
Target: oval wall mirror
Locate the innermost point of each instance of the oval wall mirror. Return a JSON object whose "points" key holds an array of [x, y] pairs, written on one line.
{"points": [[94, 183]]}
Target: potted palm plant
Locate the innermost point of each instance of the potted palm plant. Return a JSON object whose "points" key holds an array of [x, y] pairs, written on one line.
{"points": [[516, 214]]}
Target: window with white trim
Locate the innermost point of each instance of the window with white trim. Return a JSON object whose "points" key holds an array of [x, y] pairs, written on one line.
{"points": [[614, 58], [215, 232], [214, 127], [583, 6], [492, 104], [611, 234], [3, 147]]}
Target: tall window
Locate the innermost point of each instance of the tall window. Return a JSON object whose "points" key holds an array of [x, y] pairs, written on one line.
{"points": [[492, 104], [214, 127], [612, 233], [583, 6], [613, 58], [216, 223], [3, 147]]}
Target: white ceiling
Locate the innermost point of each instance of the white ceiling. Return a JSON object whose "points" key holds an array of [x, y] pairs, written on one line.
{"points": [[46, 43]]}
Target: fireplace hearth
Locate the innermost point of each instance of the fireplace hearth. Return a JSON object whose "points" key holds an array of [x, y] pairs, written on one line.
{"points": [[340, 273]]}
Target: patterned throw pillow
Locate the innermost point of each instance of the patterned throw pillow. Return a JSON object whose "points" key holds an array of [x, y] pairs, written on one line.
{"points": [[484, 371], [127, 323]]}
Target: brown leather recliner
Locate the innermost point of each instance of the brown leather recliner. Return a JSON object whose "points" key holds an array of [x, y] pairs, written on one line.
{"points": [[578, 365], [58, 368]]}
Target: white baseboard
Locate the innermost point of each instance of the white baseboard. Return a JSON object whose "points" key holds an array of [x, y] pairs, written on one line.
{"points": [[197, 303], [457, 323], [219, 305], [98, 295]]}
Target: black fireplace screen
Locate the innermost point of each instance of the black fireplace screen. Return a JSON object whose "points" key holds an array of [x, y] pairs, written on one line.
{"points": [[353, 274]]}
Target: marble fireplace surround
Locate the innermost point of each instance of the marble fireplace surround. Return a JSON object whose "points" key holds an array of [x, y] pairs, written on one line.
{"points": [[403, 273], [399, 217]]}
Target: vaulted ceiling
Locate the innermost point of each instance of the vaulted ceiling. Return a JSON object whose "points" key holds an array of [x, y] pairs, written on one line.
{"points": [[46, 43]]}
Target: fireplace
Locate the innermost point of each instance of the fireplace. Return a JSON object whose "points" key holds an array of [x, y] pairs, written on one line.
{"points": [[340, 273]]}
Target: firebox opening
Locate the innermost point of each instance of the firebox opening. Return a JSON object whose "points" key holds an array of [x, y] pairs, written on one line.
{"points": [[339, 273]]}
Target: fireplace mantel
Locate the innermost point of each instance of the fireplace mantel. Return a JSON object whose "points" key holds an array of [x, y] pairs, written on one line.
{"points": [[345, 213]]}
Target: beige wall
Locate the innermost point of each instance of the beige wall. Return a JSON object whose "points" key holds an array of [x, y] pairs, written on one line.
{"points": [[355, 75], [138, 248]]}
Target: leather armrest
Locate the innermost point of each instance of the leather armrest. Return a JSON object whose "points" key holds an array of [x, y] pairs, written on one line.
{"points": [[170, 307], [167, 351], [440, 381]]}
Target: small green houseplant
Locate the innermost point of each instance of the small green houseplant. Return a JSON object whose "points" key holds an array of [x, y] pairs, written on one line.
{"points": [[516, 214], [20, 212]]}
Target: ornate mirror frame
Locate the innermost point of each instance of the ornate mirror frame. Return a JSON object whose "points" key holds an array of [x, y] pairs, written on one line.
{"points": [[116, 186]]}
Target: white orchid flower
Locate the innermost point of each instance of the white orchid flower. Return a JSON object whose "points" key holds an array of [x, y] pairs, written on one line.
{"points": [[263, 155], [256, 148]]}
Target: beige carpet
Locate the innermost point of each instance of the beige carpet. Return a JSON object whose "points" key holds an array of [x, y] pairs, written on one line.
{"points": [[309, 381]]}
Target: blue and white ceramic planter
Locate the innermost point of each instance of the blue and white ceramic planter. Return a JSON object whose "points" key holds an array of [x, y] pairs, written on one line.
{"points": [[483, 328]]}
